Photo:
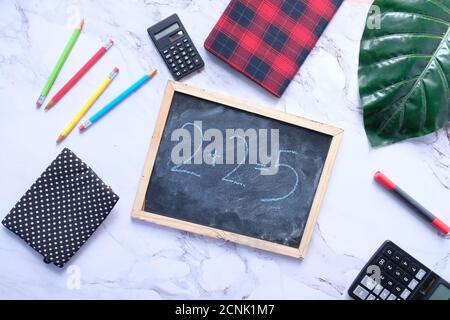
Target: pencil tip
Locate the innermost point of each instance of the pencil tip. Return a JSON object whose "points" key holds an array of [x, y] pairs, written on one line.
{"points": [[81, 24], [60, 138], [49, 105]]}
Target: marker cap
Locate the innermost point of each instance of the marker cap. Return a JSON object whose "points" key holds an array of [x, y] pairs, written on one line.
{"points": [[441, 226], [384, 181]]}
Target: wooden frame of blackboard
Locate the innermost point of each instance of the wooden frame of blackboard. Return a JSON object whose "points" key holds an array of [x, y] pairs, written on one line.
{"points": [[138, 207]]}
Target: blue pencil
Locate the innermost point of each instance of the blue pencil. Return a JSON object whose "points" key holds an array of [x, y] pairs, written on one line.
{"points": [[117, 100]]}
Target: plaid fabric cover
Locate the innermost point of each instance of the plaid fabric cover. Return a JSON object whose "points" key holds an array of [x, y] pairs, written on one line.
{"points": [[269, 40]]}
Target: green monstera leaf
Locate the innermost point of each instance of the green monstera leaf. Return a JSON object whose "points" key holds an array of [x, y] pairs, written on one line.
{"points": [[404, 72]]}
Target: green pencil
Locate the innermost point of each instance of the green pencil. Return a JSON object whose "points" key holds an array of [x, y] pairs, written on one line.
{"points": [[59, 64]]}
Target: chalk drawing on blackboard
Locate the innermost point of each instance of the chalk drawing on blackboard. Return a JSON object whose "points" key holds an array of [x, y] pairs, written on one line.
{"points": [[290, 192], [282, 165], [235, 170], [177, 167]]}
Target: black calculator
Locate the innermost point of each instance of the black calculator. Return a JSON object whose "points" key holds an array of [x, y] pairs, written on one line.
{"points": [[392, 274], [176, 47]]}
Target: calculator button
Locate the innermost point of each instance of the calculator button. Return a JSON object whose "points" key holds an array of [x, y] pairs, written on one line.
{"points": [[371, 297], [392, 297], [189, 62], [175, 52], [186, 58], [178, 74], [185, 40], [177, 56], [405, 264], [170, 60], [413, 284], [397, 258], [383, 278], [188, 45], [388, 252], [178, 44], [167, 56], [389, 267], [405, 279], [179, 61], [185, 70], [380, 261], [369, 283], [413, 269], [197, 61], [398, 273], [191, 67], [389, 284], [193, 54], [166, 51], [181, 49], [172, 48], [378, 289], [398, 288], [173, 65], [384, 294], [182, 65], [421, 274], [405, 294], [190, 50], [183, 53], [175, 69], [360, 292]]}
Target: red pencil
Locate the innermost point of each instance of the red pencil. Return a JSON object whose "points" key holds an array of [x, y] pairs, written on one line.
{"points": [[79, 74]]}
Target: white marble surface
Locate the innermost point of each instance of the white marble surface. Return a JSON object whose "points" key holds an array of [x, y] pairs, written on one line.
{"points": [[128, 259]]}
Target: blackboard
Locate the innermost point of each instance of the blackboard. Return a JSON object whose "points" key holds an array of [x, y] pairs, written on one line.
{"points": [[235, 201]]}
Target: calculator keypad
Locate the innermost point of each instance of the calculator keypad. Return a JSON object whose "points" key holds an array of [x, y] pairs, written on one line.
{"points": [[400, 276], [182, 58]]}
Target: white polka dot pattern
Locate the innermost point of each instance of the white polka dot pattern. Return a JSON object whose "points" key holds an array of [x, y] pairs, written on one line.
{"points": [[62, 209]]}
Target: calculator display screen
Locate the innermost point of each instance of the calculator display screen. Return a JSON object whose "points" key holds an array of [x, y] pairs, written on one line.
{"points": [[176, 36], [167, 31], [442, 293]]}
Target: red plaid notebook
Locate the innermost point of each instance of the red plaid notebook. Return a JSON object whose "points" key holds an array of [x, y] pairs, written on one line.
{"points": [[269, 40]]}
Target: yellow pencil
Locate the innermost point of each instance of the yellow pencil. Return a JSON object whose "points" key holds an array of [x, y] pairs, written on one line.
{"points": [[85, 108]]}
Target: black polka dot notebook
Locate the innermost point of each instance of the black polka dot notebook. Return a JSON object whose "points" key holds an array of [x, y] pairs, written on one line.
{"points": [[62, 209]]}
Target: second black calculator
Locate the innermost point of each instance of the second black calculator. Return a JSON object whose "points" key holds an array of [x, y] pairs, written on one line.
{"points": [[176, 47], [392, 274]]}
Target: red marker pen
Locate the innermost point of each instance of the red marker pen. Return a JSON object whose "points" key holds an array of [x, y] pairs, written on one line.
{"points": [[434, 221]]}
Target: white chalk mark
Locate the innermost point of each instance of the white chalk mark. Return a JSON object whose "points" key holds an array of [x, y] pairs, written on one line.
{"points": [[285, 151], [290, 192], [178, 166], [278, 165], [261, 166]]}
